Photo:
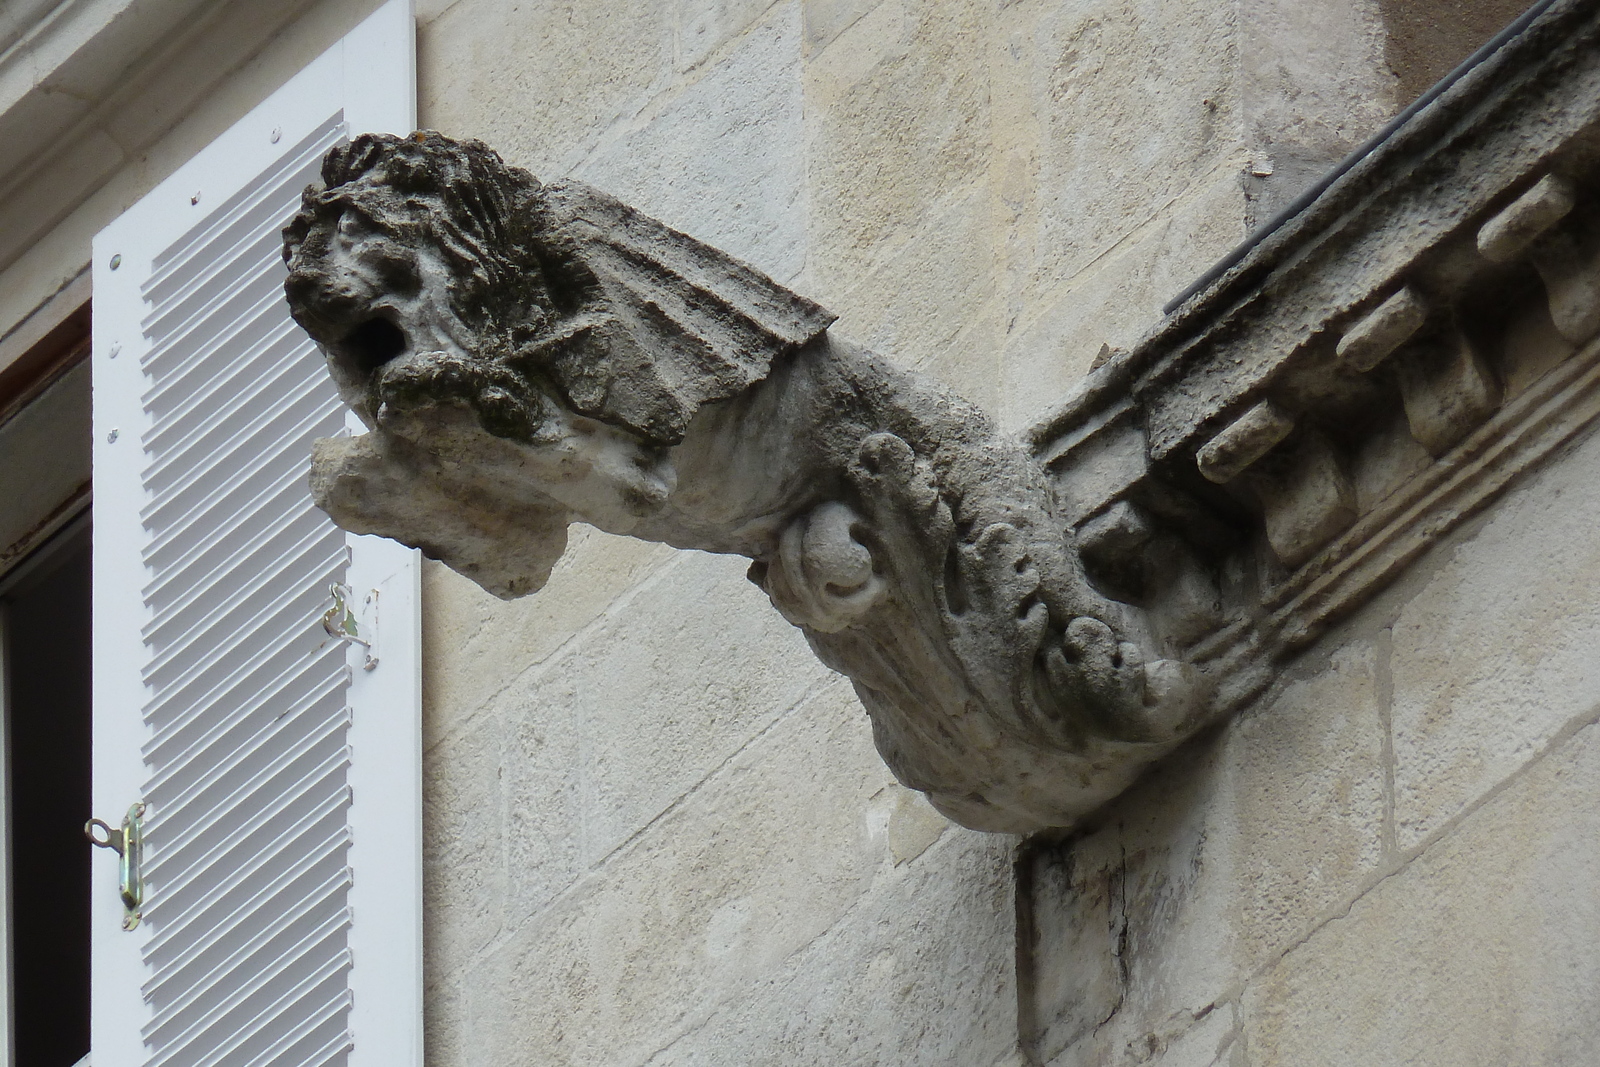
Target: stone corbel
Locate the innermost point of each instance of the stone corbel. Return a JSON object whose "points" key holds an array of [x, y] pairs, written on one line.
{"points": [[530, 355]]}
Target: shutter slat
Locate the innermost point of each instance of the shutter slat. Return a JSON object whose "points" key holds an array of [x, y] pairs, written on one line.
{"points": [[327, 935], [311, 1028], [199, 621], [174, 517], [190, 707], [176, 967], [226, 751], [180, 393], [310, 148], [329, 1052], [217, 821], [195, 731], [269, 497], [275, 355], [229, 952], [224, 565], [248, 794], [178, 930], [299, 585], [212, 859]]}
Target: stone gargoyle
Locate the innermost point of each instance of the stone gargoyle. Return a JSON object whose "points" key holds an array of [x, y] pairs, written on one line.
{"points": [[528, 356]]}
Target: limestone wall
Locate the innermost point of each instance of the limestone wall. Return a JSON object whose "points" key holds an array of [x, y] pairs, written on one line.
{"points": [[656, 827]]}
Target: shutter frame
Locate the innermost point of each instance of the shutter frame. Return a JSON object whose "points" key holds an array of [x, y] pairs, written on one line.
{"points": [[370, 76]]}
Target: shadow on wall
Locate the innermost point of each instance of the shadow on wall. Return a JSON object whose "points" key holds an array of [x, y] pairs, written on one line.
{"points": [[1427, 38]]}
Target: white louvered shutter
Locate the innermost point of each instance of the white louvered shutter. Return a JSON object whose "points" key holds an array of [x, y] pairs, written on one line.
{"points": [[281, 776]]}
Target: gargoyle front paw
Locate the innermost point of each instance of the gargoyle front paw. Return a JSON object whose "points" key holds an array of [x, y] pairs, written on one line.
{"points": [[823, 578], [1134, 699]]}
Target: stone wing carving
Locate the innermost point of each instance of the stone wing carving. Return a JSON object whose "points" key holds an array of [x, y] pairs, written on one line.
{"points": [[531, 355], [656, 324]]}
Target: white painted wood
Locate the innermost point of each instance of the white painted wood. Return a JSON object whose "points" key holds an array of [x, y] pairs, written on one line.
{"points": [[175, 645], [386, 730]]}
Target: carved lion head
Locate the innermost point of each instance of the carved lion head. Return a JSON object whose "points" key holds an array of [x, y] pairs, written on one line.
{"points": [[428, 269], [415, 268], [479, 321]]}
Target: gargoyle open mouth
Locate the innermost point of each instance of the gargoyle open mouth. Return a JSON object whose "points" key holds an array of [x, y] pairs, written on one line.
{"points": [[374, 343]]}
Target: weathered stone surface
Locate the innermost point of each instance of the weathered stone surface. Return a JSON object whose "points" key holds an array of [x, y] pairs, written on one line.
{"points": [[1479, 952], [478, 52], [1306, 107], [1388, 458], [474, 644], [692, 913], [1448, 388], [1504, 237], [649, 718], [1246, 842], [1071, 946], [531, 356], [1305, 500], [1532, 347], [932, 303], [918, 971], [704, 26], [876, 166], [723, 157], [1497, 651], [575, 756], [1386, 327], [1243, 441], [1084, 60], [1054, 336], [465, 839], [1216, 1040]]}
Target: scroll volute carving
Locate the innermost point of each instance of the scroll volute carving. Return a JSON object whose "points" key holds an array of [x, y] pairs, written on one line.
{"points": [[531, 355]]}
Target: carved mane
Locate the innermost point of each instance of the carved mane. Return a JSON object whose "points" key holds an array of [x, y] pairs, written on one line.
{"points": [[626, 319]]}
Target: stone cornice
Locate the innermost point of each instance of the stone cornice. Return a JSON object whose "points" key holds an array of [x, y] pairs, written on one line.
{"points": [[1442, 292]]}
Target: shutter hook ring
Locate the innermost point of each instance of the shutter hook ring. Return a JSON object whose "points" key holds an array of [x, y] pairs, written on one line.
{"points": [[112, 839]]}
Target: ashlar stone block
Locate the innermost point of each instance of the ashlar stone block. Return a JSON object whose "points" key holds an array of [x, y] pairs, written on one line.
{"points": [[1159, 83], [1480, 952], [545, 115], [1245, 842], [474, 644], [918, 971], [652, 715], [1054, 334], [1496, 652], [897, 120], [722, 156], [695, 911]]}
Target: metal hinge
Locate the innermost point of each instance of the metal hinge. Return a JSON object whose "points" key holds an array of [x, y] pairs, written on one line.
{"points": [[339, 621]]}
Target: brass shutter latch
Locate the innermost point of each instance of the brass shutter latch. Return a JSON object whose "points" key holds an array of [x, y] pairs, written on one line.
{"points": [[128, 844]]}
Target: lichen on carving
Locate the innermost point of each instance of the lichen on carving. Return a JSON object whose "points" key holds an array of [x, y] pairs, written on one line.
{"points": [[531, 355]]}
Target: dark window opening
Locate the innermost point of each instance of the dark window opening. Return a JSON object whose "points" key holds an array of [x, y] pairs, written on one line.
{"points": [[46, 605]]}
